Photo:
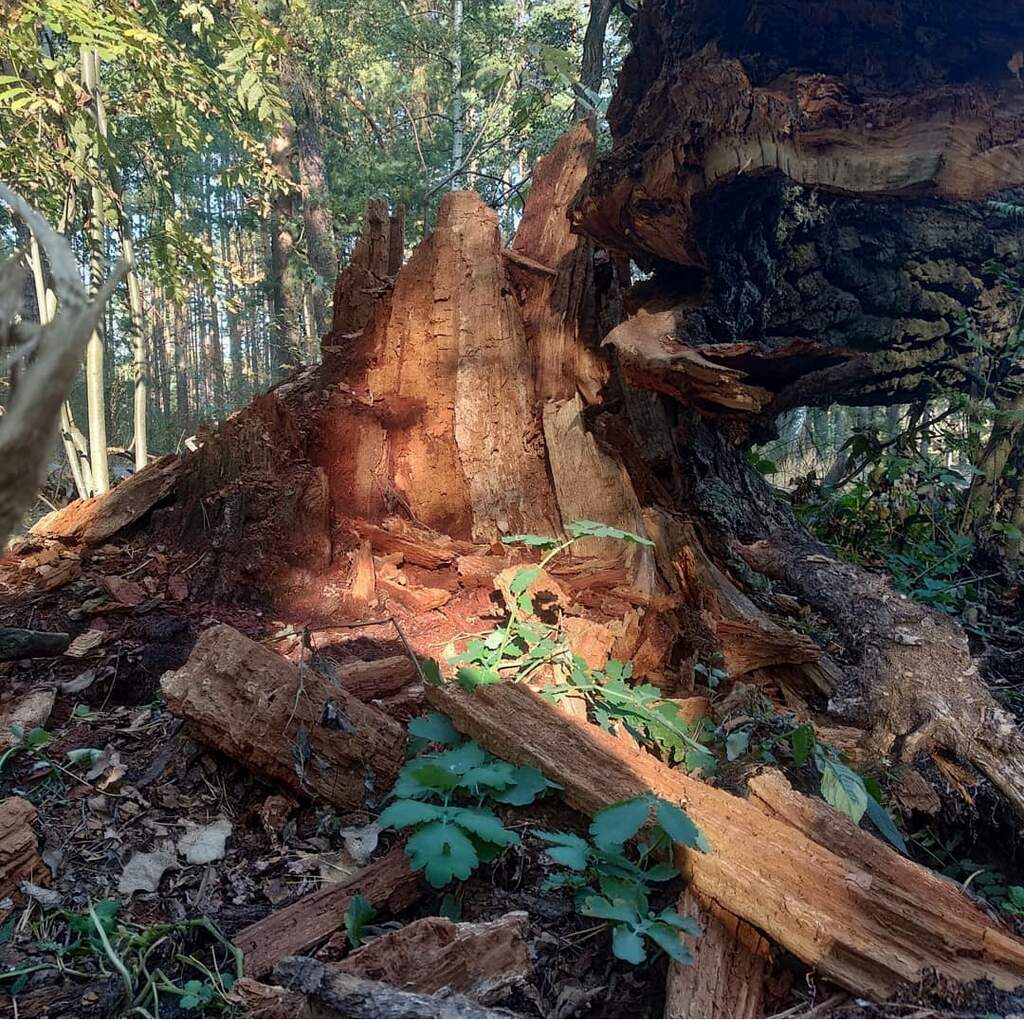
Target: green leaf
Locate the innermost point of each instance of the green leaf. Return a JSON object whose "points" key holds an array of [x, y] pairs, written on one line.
{"points": [[538, 541], [681, 922], [461, 759], [358, 914], [561, 838], [528, 784], [802, 741], [443, 852], [663, 872], [37, 738], [844, 790], [680, 827], [627, 945], [484, 824], [435, 728], [431, 670], [404, 813], [886, 826], [469, 678], [568, 856], [667, 938], [495, 775], [614, 825], [736, 744], [432, 776], [608, 910], [523, 579], [594, 529], [84, 755]]}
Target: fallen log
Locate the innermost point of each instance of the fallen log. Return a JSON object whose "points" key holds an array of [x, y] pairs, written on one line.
{"points": [[387, 884], [17, 643], [286, 723], [19, 850], [870, 930], [94, 520], [730, 962], [345, 995], [911, 679], [485, 961]]}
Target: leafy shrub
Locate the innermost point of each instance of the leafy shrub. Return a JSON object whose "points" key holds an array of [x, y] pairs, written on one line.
{"points": [[446, 798], [613, 886]]}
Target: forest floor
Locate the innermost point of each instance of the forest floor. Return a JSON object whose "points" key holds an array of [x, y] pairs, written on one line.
{"points": [[123, 792]]}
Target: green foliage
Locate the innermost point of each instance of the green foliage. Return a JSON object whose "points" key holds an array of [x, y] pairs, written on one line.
{"points": [[902, 518], [524, 644], [841, 787], [615, 884], [31, 742], [447, 798], [142, 959], [358, 914]]}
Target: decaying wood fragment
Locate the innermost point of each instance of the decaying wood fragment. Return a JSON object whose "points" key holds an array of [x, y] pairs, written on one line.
{"points": [[341, 994], [19, 850], [730, 962], [259, 1001], [285, 722], [376, 678], [484, 961], [24, 713], [870, 929], [99, 518], [387, 884]]}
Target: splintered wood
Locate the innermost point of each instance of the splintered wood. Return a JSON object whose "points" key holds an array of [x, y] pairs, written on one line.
{"points": [[19, 850], [285, 722], [387, 884], [869, 922]]}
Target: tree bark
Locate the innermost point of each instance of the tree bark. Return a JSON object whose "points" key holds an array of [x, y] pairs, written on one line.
{"points": [[286, 290], [592, 63], [321, 247]]}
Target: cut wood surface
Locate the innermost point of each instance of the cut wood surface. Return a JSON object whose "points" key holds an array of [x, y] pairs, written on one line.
{"points": [[286, 723], [870, 931], [485, 960], [343, 995], [730, 962], [387, 884], [19, 850]]}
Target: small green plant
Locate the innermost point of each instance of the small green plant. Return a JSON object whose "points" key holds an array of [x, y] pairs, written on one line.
{"points": [[446, 797], [31, 742], [615, 884], [1014, 902], [842, 788], [523, 645], [518, 645], [99, 941], [359, 914]]}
